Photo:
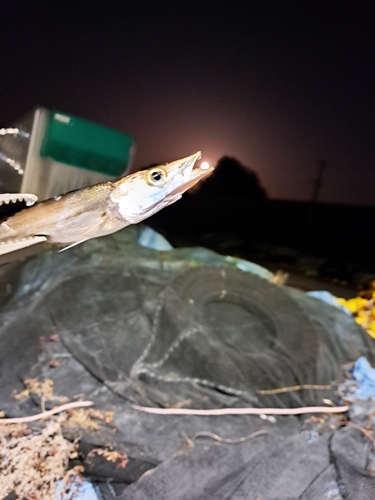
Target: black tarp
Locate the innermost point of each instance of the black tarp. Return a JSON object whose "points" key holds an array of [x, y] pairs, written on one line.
{"points": [[169, 329]]}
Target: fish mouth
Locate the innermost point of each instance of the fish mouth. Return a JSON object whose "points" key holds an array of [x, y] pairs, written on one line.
{"points": [[197, 174], [191, 174]]}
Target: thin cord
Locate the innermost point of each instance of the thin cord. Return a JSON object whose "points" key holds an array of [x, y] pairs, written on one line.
{"points": [[243, 411], [218, 438], [294, 388], [45, 414]]}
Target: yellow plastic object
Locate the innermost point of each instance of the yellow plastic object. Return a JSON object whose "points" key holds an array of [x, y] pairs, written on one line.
{"points": [[363, 310]]}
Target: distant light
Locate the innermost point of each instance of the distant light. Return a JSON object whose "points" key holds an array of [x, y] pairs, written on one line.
{"points": [[205, 165]]}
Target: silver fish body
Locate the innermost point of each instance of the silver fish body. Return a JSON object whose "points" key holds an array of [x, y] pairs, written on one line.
{"points": [[101, 209]]}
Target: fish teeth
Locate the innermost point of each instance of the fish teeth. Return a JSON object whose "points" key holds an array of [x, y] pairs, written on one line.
{"points": [[28, 199], [11, 245]]}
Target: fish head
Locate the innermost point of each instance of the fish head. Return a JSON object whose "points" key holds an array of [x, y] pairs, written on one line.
{"points": [[144, 193]]}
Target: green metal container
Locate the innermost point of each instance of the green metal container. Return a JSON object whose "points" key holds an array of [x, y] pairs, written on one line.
{"points": [[81, 143], [48, 152]]}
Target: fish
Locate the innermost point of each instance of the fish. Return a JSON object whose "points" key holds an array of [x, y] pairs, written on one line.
{"points": [[72, 218]]}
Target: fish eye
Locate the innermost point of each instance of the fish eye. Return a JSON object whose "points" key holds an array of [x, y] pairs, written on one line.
{"points": [[156, 177]]}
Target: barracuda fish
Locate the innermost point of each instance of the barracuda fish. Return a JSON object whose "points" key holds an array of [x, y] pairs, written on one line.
{"points": [[98, 210]]}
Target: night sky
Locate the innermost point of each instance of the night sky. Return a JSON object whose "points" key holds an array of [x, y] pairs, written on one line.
{"points": [[276, 84]]}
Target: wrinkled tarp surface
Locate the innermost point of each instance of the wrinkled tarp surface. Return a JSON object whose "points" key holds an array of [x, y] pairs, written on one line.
{"points": [[166, 329]]}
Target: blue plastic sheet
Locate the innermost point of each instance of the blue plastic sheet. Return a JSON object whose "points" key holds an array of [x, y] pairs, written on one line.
{"points": [[364, 374], [328, 298], [80, 490], [151, 239], [249, 267]]}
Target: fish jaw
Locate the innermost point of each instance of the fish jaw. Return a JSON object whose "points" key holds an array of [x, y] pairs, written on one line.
{"points": [[185, 176], [138, 197]]}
